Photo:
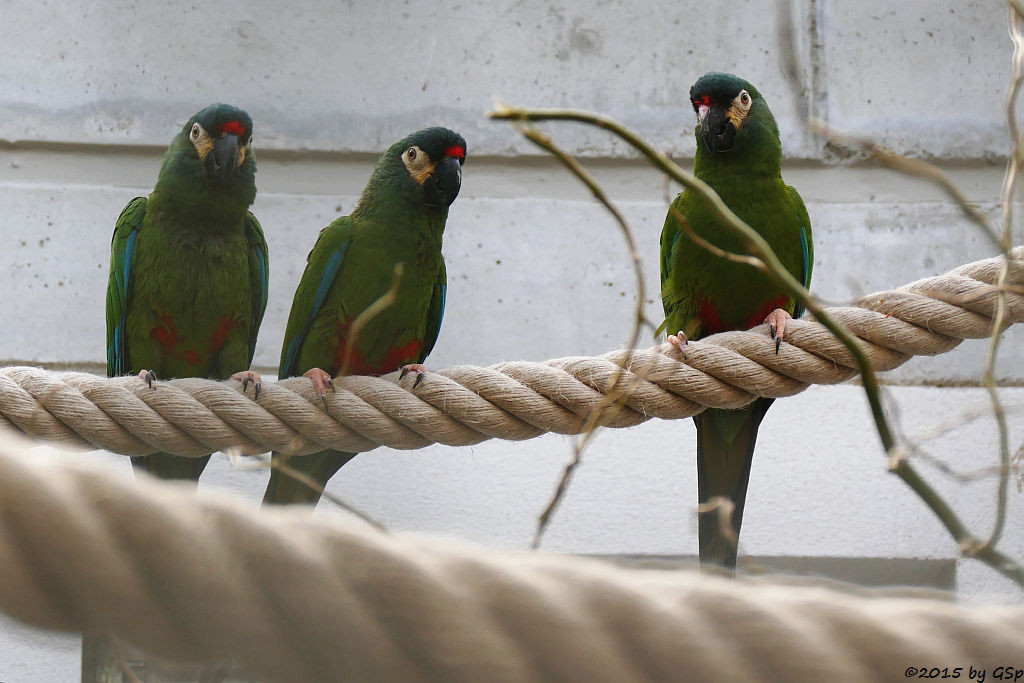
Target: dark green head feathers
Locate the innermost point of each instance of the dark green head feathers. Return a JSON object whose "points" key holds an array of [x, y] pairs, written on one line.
{"points": [[425, 167], [211, 159], [733, 121]]}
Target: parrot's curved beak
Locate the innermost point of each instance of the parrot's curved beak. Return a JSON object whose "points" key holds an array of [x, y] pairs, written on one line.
{"points": [[717, 131], [222, 160], [443, 185]]}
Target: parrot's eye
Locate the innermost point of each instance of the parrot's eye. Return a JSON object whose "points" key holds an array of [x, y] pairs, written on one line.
{"points": [[196, 131], [415, 159], [744, 98], [417, 163]]}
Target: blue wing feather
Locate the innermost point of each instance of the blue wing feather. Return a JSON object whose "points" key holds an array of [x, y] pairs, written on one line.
{"points": [[259, 277], [291, 352], [805, 275], [122, 250], [435, 312]]}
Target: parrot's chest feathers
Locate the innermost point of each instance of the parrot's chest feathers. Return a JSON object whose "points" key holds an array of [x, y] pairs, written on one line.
{"points": [[713, 294], [394, 335], [199, 286]]}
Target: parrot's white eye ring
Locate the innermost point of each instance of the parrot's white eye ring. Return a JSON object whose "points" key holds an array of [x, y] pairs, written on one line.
{"points": [[417, 163], [415, 158], [744, 98], [196, 130]]}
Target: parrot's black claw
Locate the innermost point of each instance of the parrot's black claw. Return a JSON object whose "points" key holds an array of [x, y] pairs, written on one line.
{"points": [[247, 377], [148, 376], [321, 380], [778, 343], [771, 328], [413, 367]]}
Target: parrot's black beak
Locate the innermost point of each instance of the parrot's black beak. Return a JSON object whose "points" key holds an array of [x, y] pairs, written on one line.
{"points": [[222, 160], [443, 185], [717, 131]]}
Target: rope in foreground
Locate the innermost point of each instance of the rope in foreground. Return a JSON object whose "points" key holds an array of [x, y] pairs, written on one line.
{"points": [[291, 596], [464, 405]]}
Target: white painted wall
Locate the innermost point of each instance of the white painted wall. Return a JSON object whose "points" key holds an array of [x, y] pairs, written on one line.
{"points": [[91, 93]]}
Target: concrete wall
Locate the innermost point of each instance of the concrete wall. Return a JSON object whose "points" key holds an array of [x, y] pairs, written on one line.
{"points": [[92, 92]]}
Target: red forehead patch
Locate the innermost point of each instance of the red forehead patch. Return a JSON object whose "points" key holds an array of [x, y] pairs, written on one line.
{"points": [[703, 100], [233, 127], [455, 151]]}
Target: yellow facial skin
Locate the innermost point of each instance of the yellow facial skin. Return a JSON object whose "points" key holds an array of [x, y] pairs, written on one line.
{"points": [[201, 140], [739, 108], [418, 164]]}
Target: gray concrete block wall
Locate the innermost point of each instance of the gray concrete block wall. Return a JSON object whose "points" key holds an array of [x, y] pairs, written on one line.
{"points": [[90, 94]]}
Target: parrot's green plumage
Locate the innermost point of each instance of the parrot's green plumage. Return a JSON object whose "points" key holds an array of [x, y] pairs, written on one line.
{"points": [[740, 156], [188, 267], [399, 219]]}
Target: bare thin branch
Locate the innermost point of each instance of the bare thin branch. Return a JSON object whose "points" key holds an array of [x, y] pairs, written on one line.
{"points": [[304, 478], [368, 314], [1009, 186], [122, 661], [752, 261], [616, 396], [279, 462], [904, 164]]}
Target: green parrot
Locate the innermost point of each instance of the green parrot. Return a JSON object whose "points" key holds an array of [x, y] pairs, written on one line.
{"points": [[740, 156], [188, 269], [400, 219]]}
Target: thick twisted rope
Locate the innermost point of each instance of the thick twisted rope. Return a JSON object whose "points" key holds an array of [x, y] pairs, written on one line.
{"points": [[295, 597], [464, 405]]}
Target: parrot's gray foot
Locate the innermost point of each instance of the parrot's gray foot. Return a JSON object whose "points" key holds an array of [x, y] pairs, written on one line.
{"points": [[413, 367], [321, 381], [247, 376], [678, 340], [147, 376], [777, 320]]}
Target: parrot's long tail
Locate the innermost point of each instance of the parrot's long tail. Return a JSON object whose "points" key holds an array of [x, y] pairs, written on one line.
{"points": [[285, 489], [167, 466], [725, 449]]}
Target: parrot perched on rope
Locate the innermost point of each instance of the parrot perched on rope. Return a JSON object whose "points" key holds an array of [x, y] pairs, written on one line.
{"points": [[188, 269], [400, 219], [740, 156]]}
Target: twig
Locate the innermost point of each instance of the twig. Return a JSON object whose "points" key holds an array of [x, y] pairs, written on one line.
{"points": [[915, 167], [923, 169], [751, 261], [312, 483], [368, 314], [1009, 186], [961, 476], [122, 661], [279, 462], [614, 396], [1018, 466]]}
